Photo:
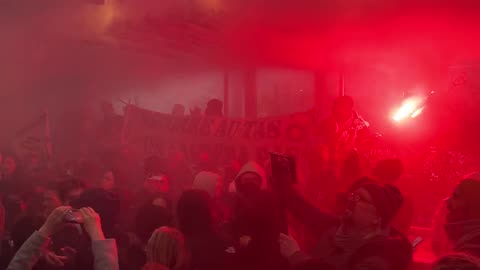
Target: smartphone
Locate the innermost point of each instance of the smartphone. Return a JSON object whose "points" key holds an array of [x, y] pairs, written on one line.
{"points": [[73, 216], [417, 242], [284, 168]]}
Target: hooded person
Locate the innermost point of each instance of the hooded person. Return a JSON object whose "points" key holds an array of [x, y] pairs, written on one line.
{"points": [[361, 238], [257, 216], [463, 216], [250, 178], [166, 247]]}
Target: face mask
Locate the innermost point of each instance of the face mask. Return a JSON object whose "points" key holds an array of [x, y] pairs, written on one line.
{"points": [[248, 189]]}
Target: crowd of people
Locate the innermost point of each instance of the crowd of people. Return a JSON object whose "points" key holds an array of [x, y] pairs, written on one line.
{"points": [[164, 213]]}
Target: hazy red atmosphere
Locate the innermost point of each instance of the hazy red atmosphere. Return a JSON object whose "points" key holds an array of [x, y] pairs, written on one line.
{"points": [[225, 134]]}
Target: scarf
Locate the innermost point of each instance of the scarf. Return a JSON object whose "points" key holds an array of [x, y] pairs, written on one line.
{"points": [[465, 236], [351, 241]]}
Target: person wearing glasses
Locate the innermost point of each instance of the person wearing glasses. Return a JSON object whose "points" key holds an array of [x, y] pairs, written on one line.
{"points": [[360, 238]]}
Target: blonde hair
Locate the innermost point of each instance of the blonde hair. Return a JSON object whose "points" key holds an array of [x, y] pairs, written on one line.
{"points": [[166, 247]]}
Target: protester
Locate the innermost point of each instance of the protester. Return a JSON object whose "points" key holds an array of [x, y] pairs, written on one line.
{"points": [[150, 217], [214, 108], [227, 216], [196, 222], [251, 178], [389, 171], [70, 190], [209, 182], [258, 219], [155, 180], [360, 239], [107, 182], [104, 250], [463, 216], [457, 261], [166, 247], [344, 128]]}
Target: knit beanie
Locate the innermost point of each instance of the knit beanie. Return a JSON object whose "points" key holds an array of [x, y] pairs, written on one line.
{"points": [[386, 198], [207, 181]]}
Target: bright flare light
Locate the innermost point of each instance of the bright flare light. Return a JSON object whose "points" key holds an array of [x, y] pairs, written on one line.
{"points": [[417, 112], [411, 107]]}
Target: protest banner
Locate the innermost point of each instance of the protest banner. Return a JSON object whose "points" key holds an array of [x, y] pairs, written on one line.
{"points": [[148, 133]]}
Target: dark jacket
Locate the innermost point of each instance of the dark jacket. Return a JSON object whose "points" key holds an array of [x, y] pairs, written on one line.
{"points": [[391, 251], [261, 218]]}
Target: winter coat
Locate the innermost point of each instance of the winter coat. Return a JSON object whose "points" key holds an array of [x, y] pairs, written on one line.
{"points": [[104, 252]]}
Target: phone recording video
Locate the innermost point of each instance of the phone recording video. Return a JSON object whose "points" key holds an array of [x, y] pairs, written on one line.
{"points": [[73, 216], [284, 169]]}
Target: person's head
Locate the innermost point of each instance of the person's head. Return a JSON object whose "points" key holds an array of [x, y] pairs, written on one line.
{"points": [[156, 184], [388, 171], [149, 217], [372, 206], [214, 108], [166, 247], [70, 189], [154, 165], [457, 261], [464, 203], [178, 110], [9, 165], [194, 212], [209, 182], [343, 108], [250, 180], [107, 181]]}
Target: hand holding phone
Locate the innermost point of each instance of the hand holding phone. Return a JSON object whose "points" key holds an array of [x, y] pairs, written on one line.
{"points": [[73, 216]]}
